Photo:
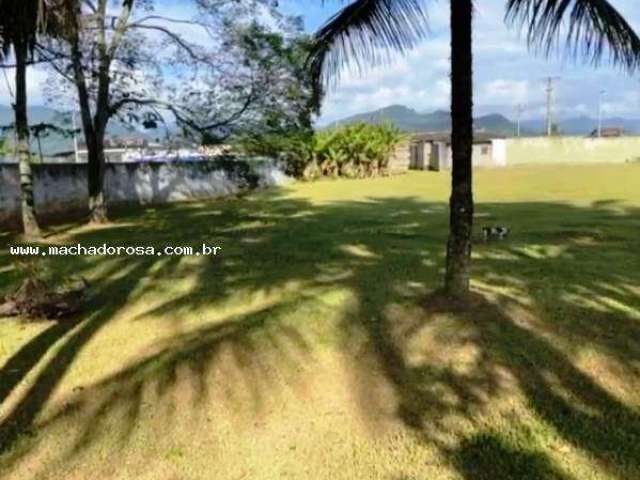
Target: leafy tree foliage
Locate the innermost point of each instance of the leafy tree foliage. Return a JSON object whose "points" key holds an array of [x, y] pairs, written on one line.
{"points": [[128, 61], [269, 92], [4, 146]]}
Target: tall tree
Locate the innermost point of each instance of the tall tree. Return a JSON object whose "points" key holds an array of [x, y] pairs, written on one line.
{"points": [[20, 23], [368, 31], [94, 124], [128, 62]]}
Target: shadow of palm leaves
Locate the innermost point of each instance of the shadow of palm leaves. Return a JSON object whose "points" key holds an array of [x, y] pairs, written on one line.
{"points": [[22, 415], [373, 250], [196, 357]]}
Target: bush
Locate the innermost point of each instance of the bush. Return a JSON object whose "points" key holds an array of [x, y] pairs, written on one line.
{"points": [[355, 151], [358, 150], [293, 150]]}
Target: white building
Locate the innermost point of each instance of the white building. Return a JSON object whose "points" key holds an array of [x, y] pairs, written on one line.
{"points": [[432, 151]]}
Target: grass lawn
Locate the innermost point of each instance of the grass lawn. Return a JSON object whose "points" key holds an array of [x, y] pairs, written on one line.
{"points": [[313, 346]]}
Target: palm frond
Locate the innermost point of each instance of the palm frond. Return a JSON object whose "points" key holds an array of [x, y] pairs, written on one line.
{"points": [[365, 33], [592, 29]]}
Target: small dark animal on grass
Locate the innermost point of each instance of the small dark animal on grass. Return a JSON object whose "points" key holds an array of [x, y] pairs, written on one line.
{"points": [[492, 233]]}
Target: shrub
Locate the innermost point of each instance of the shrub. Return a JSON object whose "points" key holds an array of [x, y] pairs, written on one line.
{"points": [[294, 150], [354, 151]]}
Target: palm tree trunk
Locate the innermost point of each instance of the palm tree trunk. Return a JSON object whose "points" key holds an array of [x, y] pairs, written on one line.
{"points": [[29, 222], [461, 202]]}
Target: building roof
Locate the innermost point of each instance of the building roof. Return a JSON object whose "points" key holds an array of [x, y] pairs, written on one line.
{"points": [[478, 137]]}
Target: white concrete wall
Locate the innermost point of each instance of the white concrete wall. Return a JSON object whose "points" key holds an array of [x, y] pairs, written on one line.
{"points": [[478, 158], [550, 150], [439, 155], [482, 155], [61, 189], [499, 152]]}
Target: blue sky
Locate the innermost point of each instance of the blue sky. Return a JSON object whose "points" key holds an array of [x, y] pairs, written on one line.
{"points": [[506, 74]]}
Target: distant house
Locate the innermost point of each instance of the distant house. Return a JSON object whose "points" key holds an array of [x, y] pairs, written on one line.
{"points": [[432, 151], [610, 132]]}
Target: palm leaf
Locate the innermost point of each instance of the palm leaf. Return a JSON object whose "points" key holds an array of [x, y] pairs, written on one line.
{"points": [[366, 32], [592, 28]]}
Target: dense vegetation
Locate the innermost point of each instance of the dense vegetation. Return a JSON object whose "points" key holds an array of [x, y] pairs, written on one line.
{"points": [[358, 150]]}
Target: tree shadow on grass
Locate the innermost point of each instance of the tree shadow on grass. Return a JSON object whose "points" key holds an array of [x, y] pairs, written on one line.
{"points": [[198, 352], [487, 456], [533, 315], [519, 335], [565, 397], [21, 363], [23, 414], [116, 286]]}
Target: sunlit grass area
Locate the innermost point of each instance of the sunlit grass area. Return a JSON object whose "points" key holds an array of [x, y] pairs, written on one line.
{"points": [[313, 346]]}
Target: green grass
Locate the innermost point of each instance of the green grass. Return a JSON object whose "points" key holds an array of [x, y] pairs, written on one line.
{"points": [[314, 347]]}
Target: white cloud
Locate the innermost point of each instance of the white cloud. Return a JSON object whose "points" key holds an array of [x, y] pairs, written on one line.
{"points": [[505, 91], [505, 73], [350, 78]]}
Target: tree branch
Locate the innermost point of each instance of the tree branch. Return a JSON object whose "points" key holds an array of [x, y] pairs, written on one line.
{"points": [[173, 36]]}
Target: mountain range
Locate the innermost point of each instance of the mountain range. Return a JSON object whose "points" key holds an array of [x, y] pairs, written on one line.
{"points": [[410, 120]]}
